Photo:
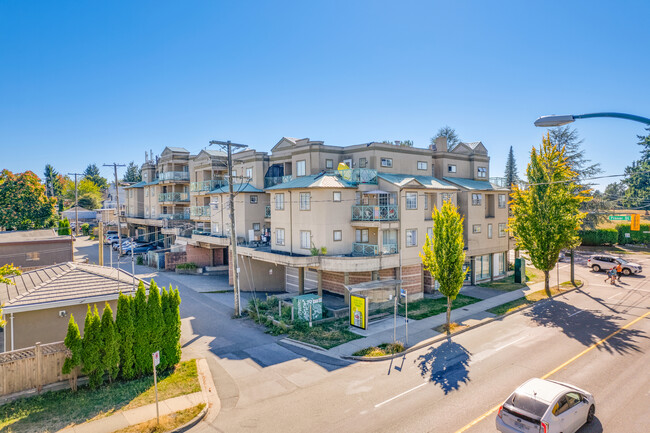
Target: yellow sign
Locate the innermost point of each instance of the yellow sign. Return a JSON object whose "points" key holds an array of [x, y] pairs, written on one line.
{"points": [[358, 311], [636, 222]]}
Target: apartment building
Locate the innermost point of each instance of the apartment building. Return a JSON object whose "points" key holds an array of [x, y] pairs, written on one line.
{"points": [[302, 224]]}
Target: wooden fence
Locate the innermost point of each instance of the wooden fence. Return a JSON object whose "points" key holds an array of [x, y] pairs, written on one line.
{"points": [[32, 368]]}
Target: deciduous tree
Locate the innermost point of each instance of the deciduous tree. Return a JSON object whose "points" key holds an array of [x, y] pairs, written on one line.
{"points": [[23, 203], [5, 271], [450, 133]]}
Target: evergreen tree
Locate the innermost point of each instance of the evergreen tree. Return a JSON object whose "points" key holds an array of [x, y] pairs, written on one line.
{"points": [[91, 349], [155, 319], [141, 346], [74, 343], [64, 227], [125, 329], [511, 170], [637, 178], [53, 185], [166, 343], [174, 327], [110, 345], [92, 174], [133, 173]]}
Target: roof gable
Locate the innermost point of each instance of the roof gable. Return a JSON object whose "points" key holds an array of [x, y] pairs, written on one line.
{"points": [[285, 143], [167, 150]]}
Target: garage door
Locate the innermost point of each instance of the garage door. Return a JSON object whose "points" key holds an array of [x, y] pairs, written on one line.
{"points": [[311, 280]]}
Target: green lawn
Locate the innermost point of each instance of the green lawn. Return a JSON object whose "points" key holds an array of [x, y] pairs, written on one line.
{"points": [[508, 284], [531, 298], [53, 411], [430, 307], [167, 422]]}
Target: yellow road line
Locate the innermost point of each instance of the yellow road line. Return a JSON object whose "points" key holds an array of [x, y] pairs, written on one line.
{"points": [[555, 370]]}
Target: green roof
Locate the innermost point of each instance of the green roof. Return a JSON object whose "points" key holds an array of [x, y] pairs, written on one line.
{"points": [[136, 185], [314, 181], [426, 181], [236, 187], [480, 185]]}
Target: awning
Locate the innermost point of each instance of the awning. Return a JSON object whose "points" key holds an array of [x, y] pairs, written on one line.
{"points": [[375, 191]]}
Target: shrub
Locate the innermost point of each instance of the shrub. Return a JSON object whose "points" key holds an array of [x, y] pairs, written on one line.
{"points": [[636, 237], [91, 349], [85, 229], [74, 343], [141, 346], [110, 346], [155, 323], [64, 227], [598, 237], [190, 265], [139, 261]]}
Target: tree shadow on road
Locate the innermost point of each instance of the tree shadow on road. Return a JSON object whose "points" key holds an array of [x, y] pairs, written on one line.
{"points": [[446, 365], [586, 326]]}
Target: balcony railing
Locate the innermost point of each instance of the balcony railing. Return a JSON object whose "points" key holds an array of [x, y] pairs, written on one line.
{"points": [[175, 216], [201, 232], [375, 213], [276, 180], [200, 211], [207, 185], [359, 175], [389, 249], [174, 196], [175, 176], [359, 249]]}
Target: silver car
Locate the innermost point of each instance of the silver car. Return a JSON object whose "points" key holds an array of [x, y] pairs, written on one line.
{"points": [[546, 406], [604, 262]]}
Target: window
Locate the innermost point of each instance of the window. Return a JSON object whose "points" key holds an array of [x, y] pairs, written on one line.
{"points": [[363, 162], [336, 196], [361, 235], [305, 201], [411, 200], [561, 406], [253, 199], [338, 235], [215, 228], [476, 199], [256, 227], [482, 267], [502, 200], [446, 196], [489, 231], [329, 163], [451, 168], [249, 173], [502, 230], [386, 162], [279, 201], [215, 203], [422, 165], [33, 256], [430, 232], [476, 228], [279, 236], [305, 239], [234, 173], [482, 172], [301, 168], [412, 238]]}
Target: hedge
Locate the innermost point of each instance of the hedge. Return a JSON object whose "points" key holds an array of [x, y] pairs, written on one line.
{"points": [[598, 237], [636, 237]]}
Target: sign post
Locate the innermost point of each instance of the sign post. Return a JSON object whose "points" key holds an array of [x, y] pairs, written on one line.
{"points": [[402, 293], [156, 361]]}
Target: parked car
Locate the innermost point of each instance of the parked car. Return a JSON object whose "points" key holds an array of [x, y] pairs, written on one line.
{"points": [[139, 249], [126, 244], [604, 262], [546, 406], [109, 239]]}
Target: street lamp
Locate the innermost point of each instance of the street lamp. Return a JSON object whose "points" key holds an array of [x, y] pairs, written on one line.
{"points": [[553, 120]]}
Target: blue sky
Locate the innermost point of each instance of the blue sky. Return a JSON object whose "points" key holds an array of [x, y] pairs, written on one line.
{"points": [[105, 81]]}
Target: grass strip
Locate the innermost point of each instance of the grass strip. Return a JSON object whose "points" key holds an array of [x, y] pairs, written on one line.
{"points": [[167, 422], [423, 308], [531, 298], [381, 350], [325, 335]]}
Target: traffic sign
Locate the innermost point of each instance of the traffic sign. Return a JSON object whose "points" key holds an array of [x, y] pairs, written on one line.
{"points": [[156, 358], [620, 218], [636, 222]]}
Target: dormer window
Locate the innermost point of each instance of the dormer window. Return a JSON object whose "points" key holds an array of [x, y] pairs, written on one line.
{"points": [[451, 168], [482, 172]]}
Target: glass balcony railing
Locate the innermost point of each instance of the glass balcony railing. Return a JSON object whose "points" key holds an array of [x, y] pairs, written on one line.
{"points": [[276, 180], [175, 216], [174, 196], [200, 211], [207, 185], [359, 175], [389, 249], [375, 213], [175, 176], [201, 232], [267, 211]]}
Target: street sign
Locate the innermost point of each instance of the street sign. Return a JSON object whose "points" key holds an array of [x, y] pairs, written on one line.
{"points": [[636, 222], [156, 358], [620, 218]]}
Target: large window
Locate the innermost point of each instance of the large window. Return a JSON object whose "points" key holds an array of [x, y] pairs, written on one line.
{"points": [[422, 165], [305, 201], [305, 239], [502, 200], [279, 201], [477, 199], [249, 173], [502, 230], [451, 168], [482, 267], [361, 236], [387, 162], [301, 168], [411, 238], [279, 236], [329, 163], [411, 200], [482, 172]]}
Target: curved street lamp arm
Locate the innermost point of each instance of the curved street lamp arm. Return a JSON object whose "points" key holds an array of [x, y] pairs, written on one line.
{"points": [[617, 115]]}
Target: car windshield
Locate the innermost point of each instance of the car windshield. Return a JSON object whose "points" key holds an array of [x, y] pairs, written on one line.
{"points": [[621, 261], [528, 404]]}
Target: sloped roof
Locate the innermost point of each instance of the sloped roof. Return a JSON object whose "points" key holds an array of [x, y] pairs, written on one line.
{"points": [[177, 149], [29, 236], [314, 181], [70, 282], [236, 187], [426, 181], [471, 184], [136, 185]]}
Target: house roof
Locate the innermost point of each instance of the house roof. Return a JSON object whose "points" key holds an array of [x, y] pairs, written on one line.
{"points": [[64, 284], [480, 185], [236, 187], [314, 181], [29, 236], [178, 149], [426, 181], [136, 185]]}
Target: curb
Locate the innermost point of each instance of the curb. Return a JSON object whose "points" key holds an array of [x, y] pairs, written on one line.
{"points": [[302, 343], [438, 338], [203, 372], [191, 423]]}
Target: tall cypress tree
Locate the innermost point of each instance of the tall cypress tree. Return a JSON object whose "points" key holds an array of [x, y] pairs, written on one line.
{"points": [[166, 341], [175, 327], [511, 170], [125, 329], [156, 323], [91, 354], [141, 341], [110, 345], [74, 343]]}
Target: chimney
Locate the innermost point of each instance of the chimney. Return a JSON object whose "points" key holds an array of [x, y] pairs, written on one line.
{"points": [[441, 144]]}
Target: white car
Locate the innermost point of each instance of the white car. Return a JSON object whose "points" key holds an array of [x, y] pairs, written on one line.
{"points": [[546, 406], [603, 262]]}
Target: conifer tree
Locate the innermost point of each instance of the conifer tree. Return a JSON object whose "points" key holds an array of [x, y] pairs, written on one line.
{"points": [[166, 341], [74, 343], [141, 347], [91, 354], [110, 345], [125, 329], [175, 327], [155, 319], [511, 170]]}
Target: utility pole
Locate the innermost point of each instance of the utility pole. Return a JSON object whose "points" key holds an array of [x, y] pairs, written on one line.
{"points": [[117, 198], [76, 203], [233, 234]]}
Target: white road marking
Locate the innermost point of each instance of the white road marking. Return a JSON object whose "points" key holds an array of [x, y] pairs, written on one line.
{"points": [[613, 296], [577, 312], [506, 345], [400, 395]]}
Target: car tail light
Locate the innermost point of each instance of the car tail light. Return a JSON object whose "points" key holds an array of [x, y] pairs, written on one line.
{"points": [[499, 412], [544, 427]]}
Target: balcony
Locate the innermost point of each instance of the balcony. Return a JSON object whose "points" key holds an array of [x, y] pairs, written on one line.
{"points": [[267, 211], [200, 211], [175, 216], [359, 249], [207, 185], [272, 181], [176, 197], [174, 176], [359, 175], [374, 213]]}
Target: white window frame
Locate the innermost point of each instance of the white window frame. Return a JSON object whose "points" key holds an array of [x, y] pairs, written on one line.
{"points": [[481, 172], [337, 235], [305, 201], [477, 199], [489, 233], [301, 168], [329, 164], [249, 173], [502, 201], [422, 165], [387, 162], [447, 196], [305, 235], [414, 238], [476, 229], [410, 206], [279, 201], [279, 240], [451, 168], [503, 227], [258, 227], [363, 162], [336, 196]]}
